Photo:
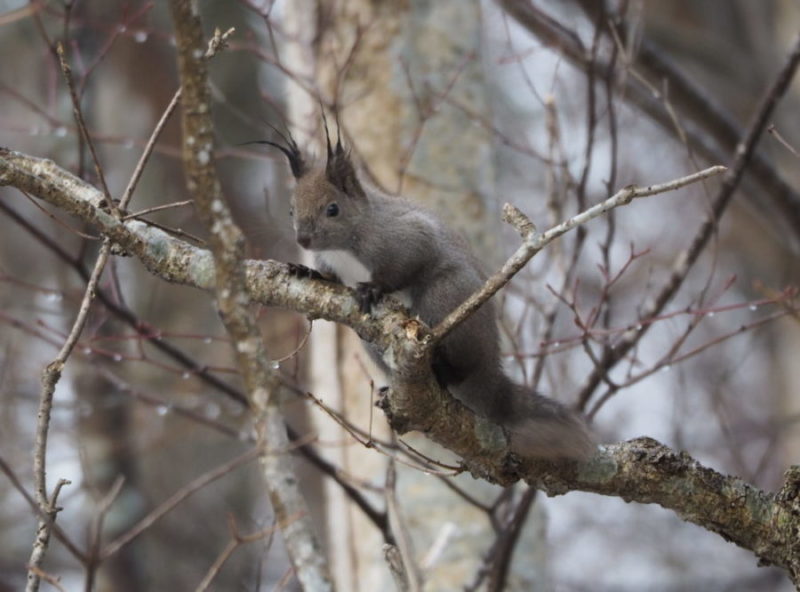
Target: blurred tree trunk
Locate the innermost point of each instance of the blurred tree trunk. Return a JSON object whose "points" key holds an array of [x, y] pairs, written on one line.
{"points": [[407, 81], [323, 375], [108, 453]]}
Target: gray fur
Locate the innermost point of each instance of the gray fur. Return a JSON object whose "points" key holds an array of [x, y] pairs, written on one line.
{"points": [[404, 249]]}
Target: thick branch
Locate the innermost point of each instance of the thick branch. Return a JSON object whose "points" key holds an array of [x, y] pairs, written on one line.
{"points": [[645, 471], [641, 470], [179, 262]]}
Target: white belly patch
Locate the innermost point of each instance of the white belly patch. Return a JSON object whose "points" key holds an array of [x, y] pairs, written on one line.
{"points": [[351, 271]]}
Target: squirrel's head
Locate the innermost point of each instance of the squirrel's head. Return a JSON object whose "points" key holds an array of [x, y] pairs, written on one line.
{"points": [[328, 201]]}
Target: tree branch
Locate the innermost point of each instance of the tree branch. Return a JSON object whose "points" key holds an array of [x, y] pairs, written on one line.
{"points": [[706, 117], [745, 152], [534, 242], [640, 470]]}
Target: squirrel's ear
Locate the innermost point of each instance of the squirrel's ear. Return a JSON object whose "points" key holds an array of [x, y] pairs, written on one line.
{"points": [[341, 173], [339, 169]]}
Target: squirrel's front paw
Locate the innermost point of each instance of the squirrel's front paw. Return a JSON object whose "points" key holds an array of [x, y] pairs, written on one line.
{"points": [[300, 270], [367, 295]]}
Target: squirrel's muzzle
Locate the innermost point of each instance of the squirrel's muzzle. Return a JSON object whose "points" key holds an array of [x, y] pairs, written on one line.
{"points": [[304, 240]]}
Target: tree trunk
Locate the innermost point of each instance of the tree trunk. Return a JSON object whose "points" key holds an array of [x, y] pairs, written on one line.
{"points": [[407, 83]]}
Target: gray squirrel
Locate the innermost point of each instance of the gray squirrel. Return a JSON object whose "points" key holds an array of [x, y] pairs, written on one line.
{"points": [[380, 244]]}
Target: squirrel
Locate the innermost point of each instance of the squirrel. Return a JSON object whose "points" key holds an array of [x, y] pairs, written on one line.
{"points": [[380, 244]]}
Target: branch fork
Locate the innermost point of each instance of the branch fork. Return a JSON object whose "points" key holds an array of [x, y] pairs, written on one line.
{"points": [[639, 470]]}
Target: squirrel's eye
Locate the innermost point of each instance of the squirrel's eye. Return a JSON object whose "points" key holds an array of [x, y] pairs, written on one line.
{"points": [[332, 210], [291, 212]]}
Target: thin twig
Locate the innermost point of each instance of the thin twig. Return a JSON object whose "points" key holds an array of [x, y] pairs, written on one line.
{"points": [[467, 497], [410, 574], [179, 232], [672, 360], [50, 377], [57, 531], [148, 150], [61, 223], [414, 453], [774, 132], [686, 259], [201, 372], [175, 499], [96, 531], [555, 205], [688, 97], [237, 540], [382, 447], [144, 212], [84, 131], [534, 242], [52, 372], [49, 510], [50, 579], [507, 541]]}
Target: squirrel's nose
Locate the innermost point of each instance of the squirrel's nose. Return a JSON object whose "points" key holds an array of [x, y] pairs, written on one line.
{"points": [[304, 240]]}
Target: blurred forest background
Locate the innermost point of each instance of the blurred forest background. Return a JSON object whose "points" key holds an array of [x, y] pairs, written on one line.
{"points": [[465, 105]]}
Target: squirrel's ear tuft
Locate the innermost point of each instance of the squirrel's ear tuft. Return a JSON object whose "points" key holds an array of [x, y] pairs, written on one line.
{"points": [[341, 173], [339, 169], [291, 150]]}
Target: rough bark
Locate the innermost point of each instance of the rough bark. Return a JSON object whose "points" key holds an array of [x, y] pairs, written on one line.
{"points": [[640, 470]]}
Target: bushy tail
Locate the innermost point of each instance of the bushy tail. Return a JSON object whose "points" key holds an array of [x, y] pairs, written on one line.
{"points": [[543, 428], [539, 426]]}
